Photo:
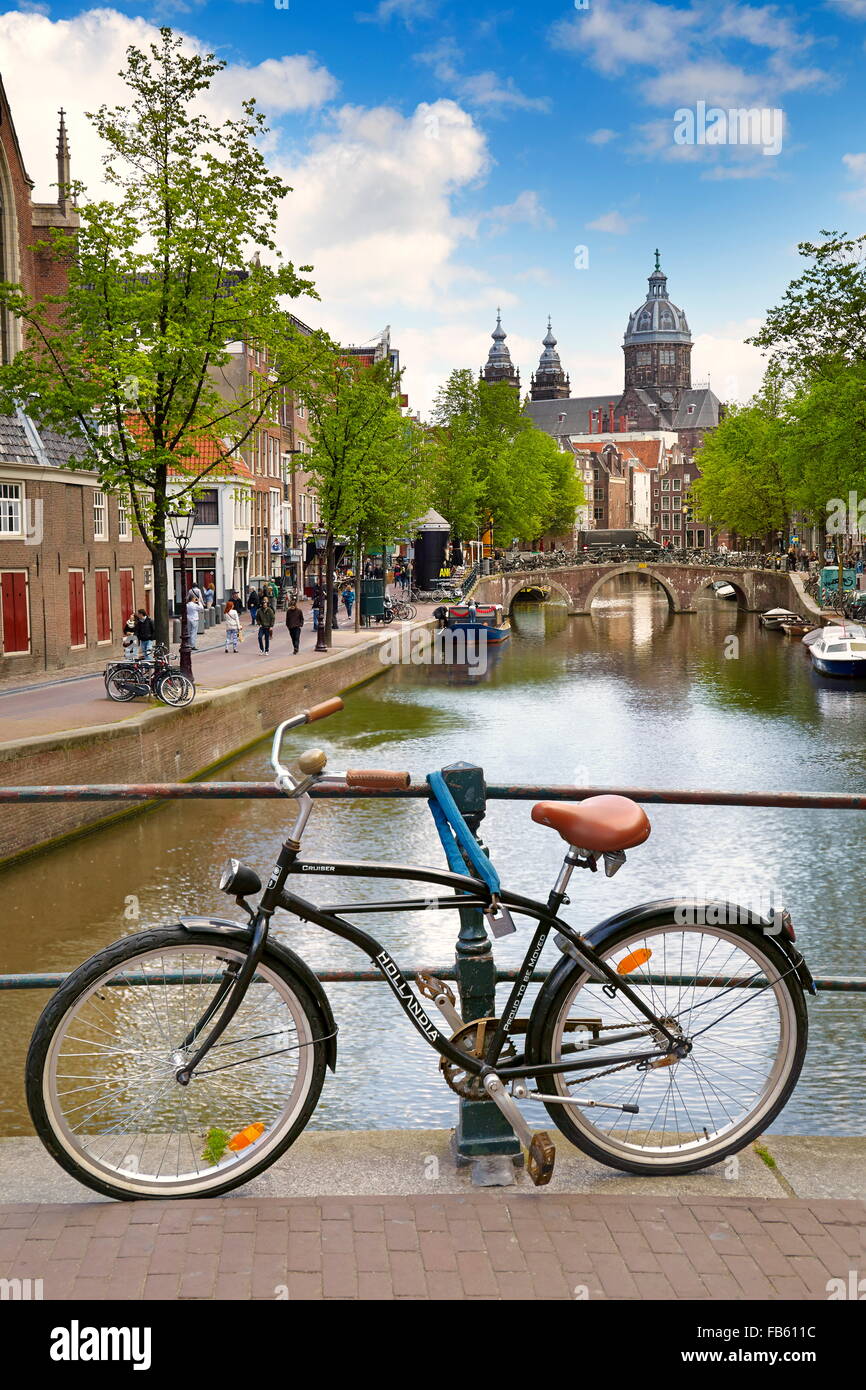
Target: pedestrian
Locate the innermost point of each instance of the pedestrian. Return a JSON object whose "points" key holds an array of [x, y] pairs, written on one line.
{"points": [[252, 604], [199, 596], [233, 627], [144, 631], [265, 618], [194, 610], [348, 599], [236, 600], [317, 606], [209, 595], [128, 642], [294, 622]]}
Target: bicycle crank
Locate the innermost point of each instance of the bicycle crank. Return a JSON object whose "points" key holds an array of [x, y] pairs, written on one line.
{"points": [[540, 1150]]}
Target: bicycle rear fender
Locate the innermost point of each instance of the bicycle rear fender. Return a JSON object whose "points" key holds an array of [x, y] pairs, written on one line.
{"points": [[647, 916], [225, 926]]}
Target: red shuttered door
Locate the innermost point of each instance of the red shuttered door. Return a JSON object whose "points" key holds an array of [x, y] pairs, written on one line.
{"points": [[127, 595], [77, 625], [103, 606], [15, 607]]}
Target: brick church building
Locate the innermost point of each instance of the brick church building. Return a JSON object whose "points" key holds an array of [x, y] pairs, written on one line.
{"points": [[72, 567]]}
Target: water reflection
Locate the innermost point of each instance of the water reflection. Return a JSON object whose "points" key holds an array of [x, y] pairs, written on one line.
{"points": [[631, 695]]}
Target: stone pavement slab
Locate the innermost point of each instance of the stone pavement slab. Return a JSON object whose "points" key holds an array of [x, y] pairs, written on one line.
{"points": [[476, 1246]]}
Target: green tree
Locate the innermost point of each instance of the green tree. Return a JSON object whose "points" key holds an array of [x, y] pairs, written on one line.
{"points": [[746, 484], [126, 359], [366, 459]]}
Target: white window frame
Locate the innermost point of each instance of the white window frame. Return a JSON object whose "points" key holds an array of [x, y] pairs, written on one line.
{"points": [[11, 502], [124, 525], [101, 535]]}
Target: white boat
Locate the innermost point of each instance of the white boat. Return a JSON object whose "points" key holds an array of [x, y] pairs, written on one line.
{"points": [[835, 632], [774, 617], [839, 651], [724, 590]]}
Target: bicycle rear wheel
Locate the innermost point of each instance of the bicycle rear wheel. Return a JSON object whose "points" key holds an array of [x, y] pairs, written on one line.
{"points": [[120, 686], [101, 1068], [732, 994]]}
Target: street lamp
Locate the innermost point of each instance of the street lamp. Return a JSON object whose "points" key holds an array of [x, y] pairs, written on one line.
{"points": [[181, 524], [321, 644]]}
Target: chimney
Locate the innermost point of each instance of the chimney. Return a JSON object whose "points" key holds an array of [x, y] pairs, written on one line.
{"points": [[611, 425]]}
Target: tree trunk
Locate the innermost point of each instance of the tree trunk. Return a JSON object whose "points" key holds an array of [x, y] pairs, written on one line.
{"points": [[357, 569], [158, 555], [329, 587]]}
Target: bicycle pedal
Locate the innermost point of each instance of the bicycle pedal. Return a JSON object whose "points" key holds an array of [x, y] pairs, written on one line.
{"points": [[541, 1159]]}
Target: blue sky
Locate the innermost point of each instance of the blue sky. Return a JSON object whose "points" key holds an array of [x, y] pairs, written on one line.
{"points": [[447, 158]]}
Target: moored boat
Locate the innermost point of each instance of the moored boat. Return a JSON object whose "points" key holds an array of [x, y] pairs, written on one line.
{"points": [[840, 651], [775, 617], [724, 590], [476, 619]]}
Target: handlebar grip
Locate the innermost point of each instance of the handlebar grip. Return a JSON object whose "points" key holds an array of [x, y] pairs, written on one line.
{"points": [[324, 709], [380, 778]]}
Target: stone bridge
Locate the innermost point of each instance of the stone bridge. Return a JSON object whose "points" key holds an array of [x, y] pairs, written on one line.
{"points": [[756, 589]]}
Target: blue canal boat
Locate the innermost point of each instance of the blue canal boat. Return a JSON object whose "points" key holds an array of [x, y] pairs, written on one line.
{"points": [[839, 651], [475, 619]]}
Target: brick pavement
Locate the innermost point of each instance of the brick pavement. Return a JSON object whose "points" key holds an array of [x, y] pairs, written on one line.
{"points": [[480, 1246]]}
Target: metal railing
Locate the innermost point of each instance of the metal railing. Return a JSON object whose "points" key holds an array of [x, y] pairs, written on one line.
{"points": [[220, 791]]}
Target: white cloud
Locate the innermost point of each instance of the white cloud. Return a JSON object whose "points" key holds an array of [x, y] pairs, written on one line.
{"points": [[613, 222], [601, 137], [484, 89], [855, 9], [733, 367], [525, 208], [856, 166], [78, 62]]}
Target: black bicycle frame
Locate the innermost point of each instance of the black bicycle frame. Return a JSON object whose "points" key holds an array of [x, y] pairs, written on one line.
{"points": [[467, 892]]}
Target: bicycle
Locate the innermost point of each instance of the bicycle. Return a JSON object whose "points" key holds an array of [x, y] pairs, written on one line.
{"points": [[184, 1060], [128, 680]]}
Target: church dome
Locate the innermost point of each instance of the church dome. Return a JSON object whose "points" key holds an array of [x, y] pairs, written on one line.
{"points": [[658, 320]]}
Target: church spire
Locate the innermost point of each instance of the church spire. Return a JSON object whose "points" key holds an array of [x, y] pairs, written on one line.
{"points": [[64, 177], [499, 366], [549, 383]]}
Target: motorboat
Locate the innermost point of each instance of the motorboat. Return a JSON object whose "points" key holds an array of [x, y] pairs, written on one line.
{"points": [[775, 617], [795, 627], [835, 632], [840, 651], [475, 619], [724, 590]]}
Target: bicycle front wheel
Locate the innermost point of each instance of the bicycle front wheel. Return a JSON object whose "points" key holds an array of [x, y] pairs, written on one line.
{"points": [[101, 1068], [174, 688], [121, 686], [730, 993]]}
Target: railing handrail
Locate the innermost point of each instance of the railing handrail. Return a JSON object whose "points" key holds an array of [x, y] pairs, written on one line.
{"points": [[231, 791]]}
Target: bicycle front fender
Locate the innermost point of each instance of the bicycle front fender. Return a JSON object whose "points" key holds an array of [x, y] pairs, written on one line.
{"points": [[648, 916], [226, 926]]}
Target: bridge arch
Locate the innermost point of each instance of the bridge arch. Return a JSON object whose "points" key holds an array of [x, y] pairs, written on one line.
{"points": [[539, 580], [735, 581], [673, 597]]}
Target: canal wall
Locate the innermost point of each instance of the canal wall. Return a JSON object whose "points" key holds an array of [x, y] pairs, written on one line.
{"points": [[161, 745]]}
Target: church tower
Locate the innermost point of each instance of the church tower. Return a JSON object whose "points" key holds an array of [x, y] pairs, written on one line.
{"points": [[549, 381], [658, 343], [499, 366]]}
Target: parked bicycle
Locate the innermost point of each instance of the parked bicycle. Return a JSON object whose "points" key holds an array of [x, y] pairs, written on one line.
{"points": [[184, 1060], [129, 680]]}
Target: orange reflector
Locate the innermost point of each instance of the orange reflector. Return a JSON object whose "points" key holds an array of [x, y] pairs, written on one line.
{"points": [[246, 1137], [631, 962]]}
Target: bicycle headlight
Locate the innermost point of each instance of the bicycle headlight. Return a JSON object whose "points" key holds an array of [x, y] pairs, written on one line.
{"points": [[239, 879]]}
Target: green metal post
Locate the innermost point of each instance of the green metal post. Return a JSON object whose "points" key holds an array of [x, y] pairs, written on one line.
{"points": [[482, 1130]]}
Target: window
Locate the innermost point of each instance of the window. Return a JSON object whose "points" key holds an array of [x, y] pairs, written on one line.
{"points": [[599, 494], [677, 484], [595, 474], [666, 521], [678, 521], [11, 509], [598, 514], [666, 484], [100, 516], [667, 357], [207, 508], [123, 531], [643, 359]]}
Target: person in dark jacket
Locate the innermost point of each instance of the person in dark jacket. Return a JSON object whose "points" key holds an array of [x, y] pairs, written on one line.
{"points": [[265, 616], [252, 605], [294, 622], [145, 632]]}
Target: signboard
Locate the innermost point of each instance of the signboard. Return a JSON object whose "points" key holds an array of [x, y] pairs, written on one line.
{"points": [[276, 546]]}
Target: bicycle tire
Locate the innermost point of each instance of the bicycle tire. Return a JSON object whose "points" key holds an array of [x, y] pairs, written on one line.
{"points": [[116, 688], [67, 1005], [175, 689], [585, 1134]]}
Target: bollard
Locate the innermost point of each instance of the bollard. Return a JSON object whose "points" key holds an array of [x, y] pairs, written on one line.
{"points": [[482, 1130]]}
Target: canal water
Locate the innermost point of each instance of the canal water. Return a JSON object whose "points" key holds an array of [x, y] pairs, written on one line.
{"points": [[632, 695]]}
